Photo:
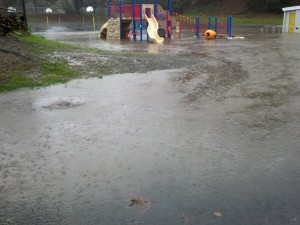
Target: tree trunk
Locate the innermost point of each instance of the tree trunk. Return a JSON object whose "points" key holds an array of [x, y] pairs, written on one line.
{"points": [[78, 5]]}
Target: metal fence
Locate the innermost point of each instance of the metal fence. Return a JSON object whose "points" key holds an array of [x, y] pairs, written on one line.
{"points": [[278, 29], [271, 29]]}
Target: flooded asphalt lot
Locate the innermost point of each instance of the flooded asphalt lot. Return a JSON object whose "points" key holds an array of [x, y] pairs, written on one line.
{"points": [[213, 143]]}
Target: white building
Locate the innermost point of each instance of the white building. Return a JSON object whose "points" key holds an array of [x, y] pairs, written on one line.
{"points": [[291, 19]]}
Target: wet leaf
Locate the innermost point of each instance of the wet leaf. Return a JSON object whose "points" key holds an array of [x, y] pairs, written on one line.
{"points": [[141, 203], [217, 214], [185, 219]]}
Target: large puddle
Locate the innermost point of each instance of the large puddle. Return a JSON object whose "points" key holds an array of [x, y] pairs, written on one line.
{"points": [[217, 143]]}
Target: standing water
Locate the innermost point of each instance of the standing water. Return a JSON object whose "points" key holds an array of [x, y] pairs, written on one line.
{"points": [[212, 143]]}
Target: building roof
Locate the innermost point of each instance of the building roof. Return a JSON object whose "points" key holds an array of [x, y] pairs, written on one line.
{"points": [[293, 8]]}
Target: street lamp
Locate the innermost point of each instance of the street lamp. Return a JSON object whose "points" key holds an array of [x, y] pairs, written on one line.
{"points": [[48, 10], [90, 9]]}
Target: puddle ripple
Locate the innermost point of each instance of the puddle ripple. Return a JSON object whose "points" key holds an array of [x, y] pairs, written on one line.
{"points": [[58, 103]]}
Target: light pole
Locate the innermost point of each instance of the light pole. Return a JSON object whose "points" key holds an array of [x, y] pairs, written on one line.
{"points": [[90, 9]]}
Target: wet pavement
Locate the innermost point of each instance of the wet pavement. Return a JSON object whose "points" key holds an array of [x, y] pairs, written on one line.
{"points": [[213, 143]]}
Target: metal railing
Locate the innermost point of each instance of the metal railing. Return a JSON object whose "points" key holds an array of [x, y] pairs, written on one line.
{"points": [[271, 30], [277, 29]]}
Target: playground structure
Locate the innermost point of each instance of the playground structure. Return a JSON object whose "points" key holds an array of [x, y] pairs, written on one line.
{"points": [[134, 18], [130, 20]]}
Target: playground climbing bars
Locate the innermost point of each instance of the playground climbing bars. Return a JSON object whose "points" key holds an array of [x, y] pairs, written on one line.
{"points": [[197, 26]]}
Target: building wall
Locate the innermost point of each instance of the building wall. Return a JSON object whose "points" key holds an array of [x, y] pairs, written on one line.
{"points": [[284, 24], [286, 21], [297, 23]]}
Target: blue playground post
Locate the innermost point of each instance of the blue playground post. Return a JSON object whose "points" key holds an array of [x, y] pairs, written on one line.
{"points": [[169, 21], [230, 27], [216, 26], [120, 11], [209, 23], [141, 20], [108, 9], [227, 28], [197, 26], [133, 21], [155, 9], [148, 13]]}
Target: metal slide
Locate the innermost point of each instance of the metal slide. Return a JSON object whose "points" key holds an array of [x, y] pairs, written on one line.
{"points": [[152, 30]]}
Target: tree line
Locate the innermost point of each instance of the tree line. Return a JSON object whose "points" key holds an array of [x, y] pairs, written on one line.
{"points": [[270, 5], [259, 6]]}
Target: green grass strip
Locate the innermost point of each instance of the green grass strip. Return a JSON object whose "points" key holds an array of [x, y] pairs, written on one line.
{"points": [[17, 81], [52, 73], [39, 44]]}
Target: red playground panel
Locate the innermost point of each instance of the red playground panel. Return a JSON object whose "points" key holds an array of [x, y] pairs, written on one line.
{"points": [[126, 11]]}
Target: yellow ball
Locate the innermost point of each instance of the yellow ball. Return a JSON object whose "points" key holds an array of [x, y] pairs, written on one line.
{"points": [[210, 34]]}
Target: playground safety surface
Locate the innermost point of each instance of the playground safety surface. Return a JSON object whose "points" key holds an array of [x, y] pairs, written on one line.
{"points": [[213, 139]]}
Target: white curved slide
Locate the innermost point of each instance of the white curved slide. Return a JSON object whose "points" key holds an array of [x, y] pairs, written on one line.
{"points": [[152, 30]]}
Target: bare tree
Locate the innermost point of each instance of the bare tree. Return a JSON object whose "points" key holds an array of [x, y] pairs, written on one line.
{"points": [[34, 3], [78, 4]]}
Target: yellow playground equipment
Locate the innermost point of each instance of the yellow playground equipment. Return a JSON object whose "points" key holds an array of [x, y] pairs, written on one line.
{"points": [[210, 34]]}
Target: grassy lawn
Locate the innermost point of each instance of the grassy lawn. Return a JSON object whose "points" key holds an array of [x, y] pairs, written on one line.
{"points": [[257, 20], [241, 19], [38, 44], [245, 20], [37, 70]]}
